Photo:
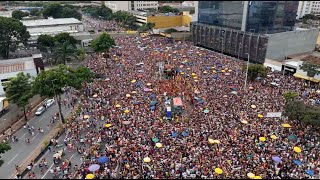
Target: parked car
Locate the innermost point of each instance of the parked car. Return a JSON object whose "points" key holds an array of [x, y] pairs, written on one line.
{"points": [[49, 103], [40, 110]]}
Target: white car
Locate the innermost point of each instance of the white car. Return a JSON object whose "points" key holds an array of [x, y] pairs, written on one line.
{"points": [[49, 102], [40, 110]]}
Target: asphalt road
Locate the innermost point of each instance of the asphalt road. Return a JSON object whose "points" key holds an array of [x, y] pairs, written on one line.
{"points": [[20, 150]]}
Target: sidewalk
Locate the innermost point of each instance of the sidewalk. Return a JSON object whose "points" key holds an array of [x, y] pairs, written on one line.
{"points": [[15, 118]]}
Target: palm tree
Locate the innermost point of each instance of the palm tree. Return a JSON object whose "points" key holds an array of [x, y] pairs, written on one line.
{"points": [[63, 52]]}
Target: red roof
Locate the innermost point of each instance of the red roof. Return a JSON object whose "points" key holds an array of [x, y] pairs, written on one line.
{"points": [[12, 67]]}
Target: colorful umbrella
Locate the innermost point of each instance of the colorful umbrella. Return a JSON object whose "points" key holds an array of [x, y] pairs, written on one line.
{"points": [[134, 92], [205, 72], [297, 162], [262, 139], [215, 76], [251, 175], [155, 140], [94, 167], [184, 134], [297, 149], [95, 95], [158, 145], [216, 141], [260, 116], [292, 137], [148, 84], [108, 125], [146, 160], [146, 89], [89, 176], [126, 122], [128, 95], [152, 103], [118, 106], [273, 137], [133, 81], [182, 73], [211, 141], [206, 111], [253, 106], [276, 159], [257, 177], [244, 122], [126, 111], [174, 134], [223, 71], [310, 172], [218, 170], [234, 92], [193, 74], [227, 74], [251, 88], [286, 125], [86, 116], [103, 159]]}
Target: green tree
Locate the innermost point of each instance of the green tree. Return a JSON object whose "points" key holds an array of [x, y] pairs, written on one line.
{"points": [[64, 37], [17, 14], [70, 13], [45, 43], [51, 83], [255, 70], [290, 96], [4, 147], [167, 9], [294, 109], [146, 27], [35, 12], [81, 54], [19, 91], [103, 43], [64, 52], [53, 10], [12, 32], [311, 69], [125, 19]]}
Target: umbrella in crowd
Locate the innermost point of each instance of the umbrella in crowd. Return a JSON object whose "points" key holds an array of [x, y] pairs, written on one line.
{"points": [[103, 159], [94, 167]]}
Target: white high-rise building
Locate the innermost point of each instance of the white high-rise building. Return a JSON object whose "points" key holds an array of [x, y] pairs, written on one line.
{"points": [[308, 7], [131, 5]]}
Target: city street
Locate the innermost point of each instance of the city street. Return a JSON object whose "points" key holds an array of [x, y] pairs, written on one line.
{"points": [[20, 150]]}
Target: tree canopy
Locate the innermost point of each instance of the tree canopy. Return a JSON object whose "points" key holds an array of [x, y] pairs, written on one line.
{"points": [[64, 37], [17, 14], [3, 148], [307, 114], [64, 52], [45, 42], [167, 9], [19, 90], [290, 96], [102, 43], [101, 12], [51, 83], [311, 69], [146, 27], [12, 32], [56, 10], [255, 70]]}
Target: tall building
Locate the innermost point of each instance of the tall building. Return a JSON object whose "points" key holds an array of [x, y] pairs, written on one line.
{"points": [[253, 16], [253, 30], [308, 7], [131, 5]]}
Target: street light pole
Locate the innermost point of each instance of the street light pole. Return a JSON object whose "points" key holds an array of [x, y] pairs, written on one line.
{"points": [[245, 82]]}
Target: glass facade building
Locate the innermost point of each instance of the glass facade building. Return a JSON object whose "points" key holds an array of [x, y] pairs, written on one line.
{"points": [[264, 17]]}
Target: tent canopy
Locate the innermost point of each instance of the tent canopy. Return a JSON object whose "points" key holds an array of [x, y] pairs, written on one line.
{"points": [[177, 101]]}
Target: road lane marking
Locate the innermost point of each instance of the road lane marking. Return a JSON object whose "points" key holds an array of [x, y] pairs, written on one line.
{"points": [[13, 158], [35, 136], [41, 118], [22, 136], [47, 171]]}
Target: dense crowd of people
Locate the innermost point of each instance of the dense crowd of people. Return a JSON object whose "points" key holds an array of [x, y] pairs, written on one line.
{"points": [[223, 131], [100, 25]]}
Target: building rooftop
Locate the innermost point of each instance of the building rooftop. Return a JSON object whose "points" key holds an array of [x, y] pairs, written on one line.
{"points": [[50, 22], [5, 13], [16, 65]]}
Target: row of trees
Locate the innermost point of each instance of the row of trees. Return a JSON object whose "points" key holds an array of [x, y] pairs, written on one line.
{"points": [[123, 17], [296, 109], [168, 9], [49, 83], [57, 10]]}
